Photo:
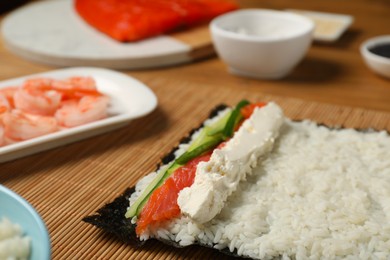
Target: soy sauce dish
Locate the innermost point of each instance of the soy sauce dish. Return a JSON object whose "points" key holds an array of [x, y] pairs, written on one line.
{"points": [[261, 43], [376, 54]]}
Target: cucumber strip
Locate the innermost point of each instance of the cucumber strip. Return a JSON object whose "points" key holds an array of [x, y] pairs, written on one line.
{"points": [[134, 208], [209, 133], [218, 129], [234, 118], [187, 156]]}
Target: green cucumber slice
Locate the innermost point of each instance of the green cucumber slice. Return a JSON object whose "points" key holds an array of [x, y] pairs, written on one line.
{"points": [[137, 206], [187, 156], [218, 128], [234, 119]]}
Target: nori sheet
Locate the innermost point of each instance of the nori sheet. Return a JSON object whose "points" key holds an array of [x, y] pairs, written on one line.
{"points": [[111, 217]]}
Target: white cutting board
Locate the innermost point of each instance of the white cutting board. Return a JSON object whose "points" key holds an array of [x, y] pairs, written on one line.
{"points": [[51, 32]]}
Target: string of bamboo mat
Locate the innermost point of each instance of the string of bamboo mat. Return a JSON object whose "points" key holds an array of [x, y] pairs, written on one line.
{"points": [[67, 183]]}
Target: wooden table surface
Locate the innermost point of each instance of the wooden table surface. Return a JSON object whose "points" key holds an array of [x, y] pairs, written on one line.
{"points": [[332, 75]]}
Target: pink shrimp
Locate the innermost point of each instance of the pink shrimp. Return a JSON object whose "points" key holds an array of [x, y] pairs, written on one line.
{"points": [[2, 140], [8, 93], [38, 83], [37, 96], [22, 126], [76, 87], [4, 103], [82, 82], [44, 105], [38, 102], [79, 112], [4, 107]]}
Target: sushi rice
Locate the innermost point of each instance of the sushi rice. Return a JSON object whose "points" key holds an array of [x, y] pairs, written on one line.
{"points": [[13, 244], [321, 193]]}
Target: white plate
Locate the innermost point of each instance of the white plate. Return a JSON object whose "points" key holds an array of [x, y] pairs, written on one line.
{"points": [[329, 26], [129, 99]]}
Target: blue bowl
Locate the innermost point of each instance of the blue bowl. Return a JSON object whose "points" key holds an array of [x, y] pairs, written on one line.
{"points": [[19, 211]]}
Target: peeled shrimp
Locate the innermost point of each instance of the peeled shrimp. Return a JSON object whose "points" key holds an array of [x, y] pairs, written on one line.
{"points": [[37, 96], [38, 83], [22, 126], [2, 140], [82, 83], [4, 103], [8, 93], [38, 102], [76, 87], [4, 107], [43, 105], [79, 112]]}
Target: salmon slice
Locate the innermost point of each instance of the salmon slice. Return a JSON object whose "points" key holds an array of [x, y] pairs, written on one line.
{"points": [[133, 20], [162, 204]]}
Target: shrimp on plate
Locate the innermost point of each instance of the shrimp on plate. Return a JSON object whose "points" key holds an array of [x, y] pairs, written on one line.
{"points": [[37, 96], [76, 87], [2, 140], [4, 108], [38, 102], [85, 110], [20, 126], [43, 105], [8, 93], [4, 104]]}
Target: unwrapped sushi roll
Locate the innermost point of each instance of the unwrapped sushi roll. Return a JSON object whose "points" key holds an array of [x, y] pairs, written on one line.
{"points": [[255, 184]]}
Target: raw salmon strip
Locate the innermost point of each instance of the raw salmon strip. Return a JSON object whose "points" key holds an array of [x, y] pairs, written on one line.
{"points": [[162, 205], [133, 20]]}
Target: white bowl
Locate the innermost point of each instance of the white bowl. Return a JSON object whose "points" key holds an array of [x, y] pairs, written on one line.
{"points": [[378, 63], [19, 211], [261, 43]]}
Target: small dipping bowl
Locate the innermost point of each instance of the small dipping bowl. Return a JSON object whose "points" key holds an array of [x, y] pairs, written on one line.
{"points": [[376, 54], [261, 43], [17, 210]]}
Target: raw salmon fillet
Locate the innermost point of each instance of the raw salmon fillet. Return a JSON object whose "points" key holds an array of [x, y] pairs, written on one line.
{"points": [[133, 20]]}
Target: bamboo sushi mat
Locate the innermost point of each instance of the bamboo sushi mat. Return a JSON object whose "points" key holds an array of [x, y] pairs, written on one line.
{"points": [[70, 182]]}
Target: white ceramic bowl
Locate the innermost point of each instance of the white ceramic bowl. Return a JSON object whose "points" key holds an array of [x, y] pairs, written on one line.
{"points": [[19, 211], [261, 43], [378, 63]]}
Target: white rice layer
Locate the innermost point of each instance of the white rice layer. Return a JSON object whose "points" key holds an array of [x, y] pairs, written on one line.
{"points": [[320, 194]]}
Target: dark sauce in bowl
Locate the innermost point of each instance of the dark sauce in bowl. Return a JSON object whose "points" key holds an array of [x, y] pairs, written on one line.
{"points": [[382, 49]]}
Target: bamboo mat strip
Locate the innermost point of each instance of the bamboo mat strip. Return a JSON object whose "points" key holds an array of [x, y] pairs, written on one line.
{"points": [[67, 183]]}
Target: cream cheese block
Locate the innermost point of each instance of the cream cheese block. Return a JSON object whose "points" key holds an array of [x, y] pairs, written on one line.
{"points": [[218, 178]]}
